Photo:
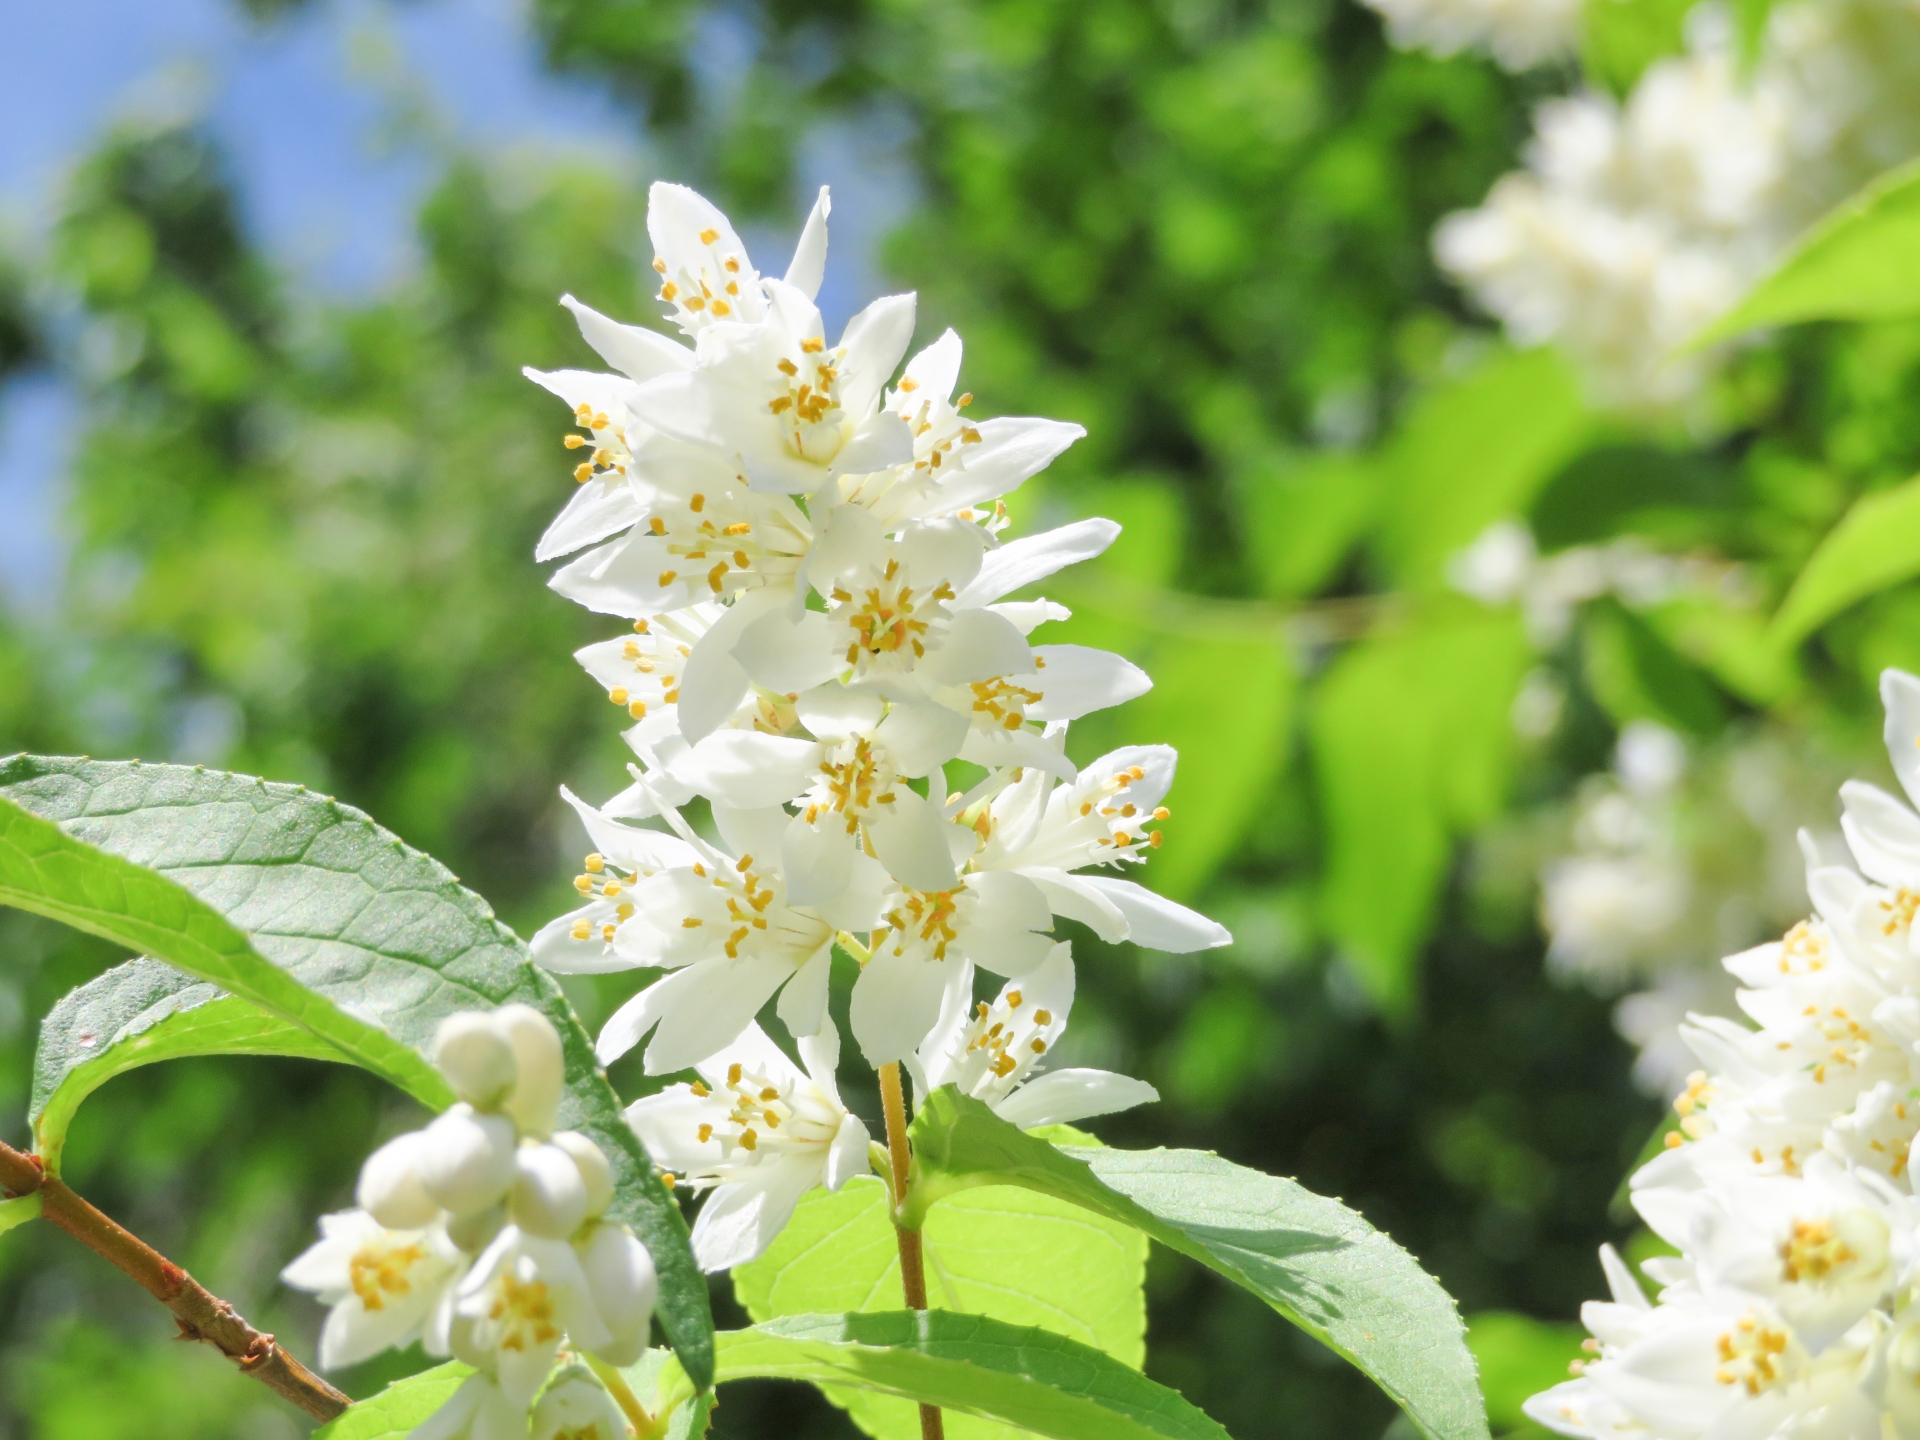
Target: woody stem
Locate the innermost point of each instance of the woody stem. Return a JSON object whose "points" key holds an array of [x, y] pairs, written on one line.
{"points": [[913, 1272], [200, 1315]]}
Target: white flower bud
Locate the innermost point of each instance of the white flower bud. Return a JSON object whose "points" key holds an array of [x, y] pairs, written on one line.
{"points": [[578, 1407], [549, 1195], [390, 1189], [594, 1170], [475, 1054], [466, 1159], [542, 1068], [473, 1233], [621, 1279]]}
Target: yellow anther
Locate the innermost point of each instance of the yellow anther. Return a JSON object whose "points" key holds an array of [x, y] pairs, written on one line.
{"points": [[692, 922], [595, 863], [707, 237]]}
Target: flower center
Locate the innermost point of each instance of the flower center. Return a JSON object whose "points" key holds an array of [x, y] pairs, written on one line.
{"points": [[747, 900], [1003, 701], [1900, 911], [1803, 949], [524, 1310], [889, 618], [809, 397], [709, 290], [379, 1269], [1751, 1355], [765, 1117], [926, 915], [1813, 1252], [610, 454], [852, 784]]}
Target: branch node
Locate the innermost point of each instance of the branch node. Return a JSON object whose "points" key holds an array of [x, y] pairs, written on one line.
{"points": [[172, 1279], [260, 1352]]}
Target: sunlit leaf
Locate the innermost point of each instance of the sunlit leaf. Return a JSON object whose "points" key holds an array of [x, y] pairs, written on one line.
{"points": [[398, 1409], [1875, 545]]}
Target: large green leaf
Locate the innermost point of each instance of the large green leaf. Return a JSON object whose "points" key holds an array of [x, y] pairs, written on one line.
{"points": [[1017, 1376], [307, 908], [1311, 1258], [1013, 1254], [1472, 452], [1856, 264], [396, 1410], [1411, 737], [134, 1015], [1875, 545]]}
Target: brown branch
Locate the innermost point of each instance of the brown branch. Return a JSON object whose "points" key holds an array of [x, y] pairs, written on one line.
{"points": [[200, 1315], [913, 1270]]}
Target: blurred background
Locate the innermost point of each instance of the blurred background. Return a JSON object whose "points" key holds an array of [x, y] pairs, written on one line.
{"points": [[1457, 574]]}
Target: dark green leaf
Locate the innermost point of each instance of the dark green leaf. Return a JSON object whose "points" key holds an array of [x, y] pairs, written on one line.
{"points": [[134, 1015], [307, 908], [1028, 1379], [1637, 675], [1311, 1258]]}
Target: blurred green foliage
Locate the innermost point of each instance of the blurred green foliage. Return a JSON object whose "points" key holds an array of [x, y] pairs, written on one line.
{"points": [[302, 536]]}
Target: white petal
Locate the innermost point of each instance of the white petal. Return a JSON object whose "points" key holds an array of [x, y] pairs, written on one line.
{"points": [[632, 847], [1011, 451], [713, 683], [818, 861], [820, 1054], [934, 372], [620, 578], [626, 1026], [875, 340], [1077, 898], [554, 948], [895, 1003], [716, 1000], [979, 645], [839, 712], [789, 653], [751, 832], [1157, 922], [640, 353], [594, 511], [1900, 693], [748, 770], [1883, 834], [879, 443], [847, 1156], [1076, 680], [803, 1000], [1021, 562], [922, 735], [739, 1222], [1028, 615], [1061, 1097], [810, 255], [911, 842]]}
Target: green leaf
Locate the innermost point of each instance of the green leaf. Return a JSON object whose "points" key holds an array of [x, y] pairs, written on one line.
{"points": [[1472, 452], [1411, 737], [1223, 690], [1024, 1378], [1621, 38], [1637, 676], [1304, 514], [19, 1210], [308, 909], [1856, 264], [396, 1410], [1876, 545], [1519, 1357], [134, 1015], [1016, 1255], [1311, 1258]]}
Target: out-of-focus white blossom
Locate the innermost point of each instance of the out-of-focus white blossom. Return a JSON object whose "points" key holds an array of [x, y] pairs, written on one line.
{"points": [[1518, 33], [1635, 224]]}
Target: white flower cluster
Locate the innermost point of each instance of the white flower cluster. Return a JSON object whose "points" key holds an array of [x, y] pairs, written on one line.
{"points": [[1518, 33], [1636, 224], [1788, 1188], [811, 554], [484, 1236]]}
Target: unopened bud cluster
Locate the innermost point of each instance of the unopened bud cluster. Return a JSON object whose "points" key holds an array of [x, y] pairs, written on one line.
{"points": [[485, 1237]]}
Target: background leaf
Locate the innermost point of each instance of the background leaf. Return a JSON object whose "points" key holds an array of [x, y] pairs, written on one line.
{"points": [[1014, 1254], [1856, 264], [137, 1014], [1876, 545], [307, 907], [1519, 1357], [1411, 737], [1028, 1379], [1312, 1259]]}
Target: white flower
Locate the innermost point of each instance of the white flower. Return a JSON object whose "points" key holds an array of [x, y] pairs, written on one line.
{"points": [[623, 1286], [719, 918], [993, 1052], [1105, 816], [478, 1410], [576, 1406], [758, 1133], [524, 1297], [382, 1285]]}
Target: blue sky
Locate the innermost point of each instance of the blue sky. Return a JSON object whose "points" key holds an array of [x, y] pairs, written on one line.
{"points": [[299, 107]]}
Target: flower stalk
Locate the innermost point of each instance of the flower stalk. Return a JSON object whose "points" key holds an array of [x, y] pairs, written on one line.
{"points": [[200, 1314], [913, 1271]]}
